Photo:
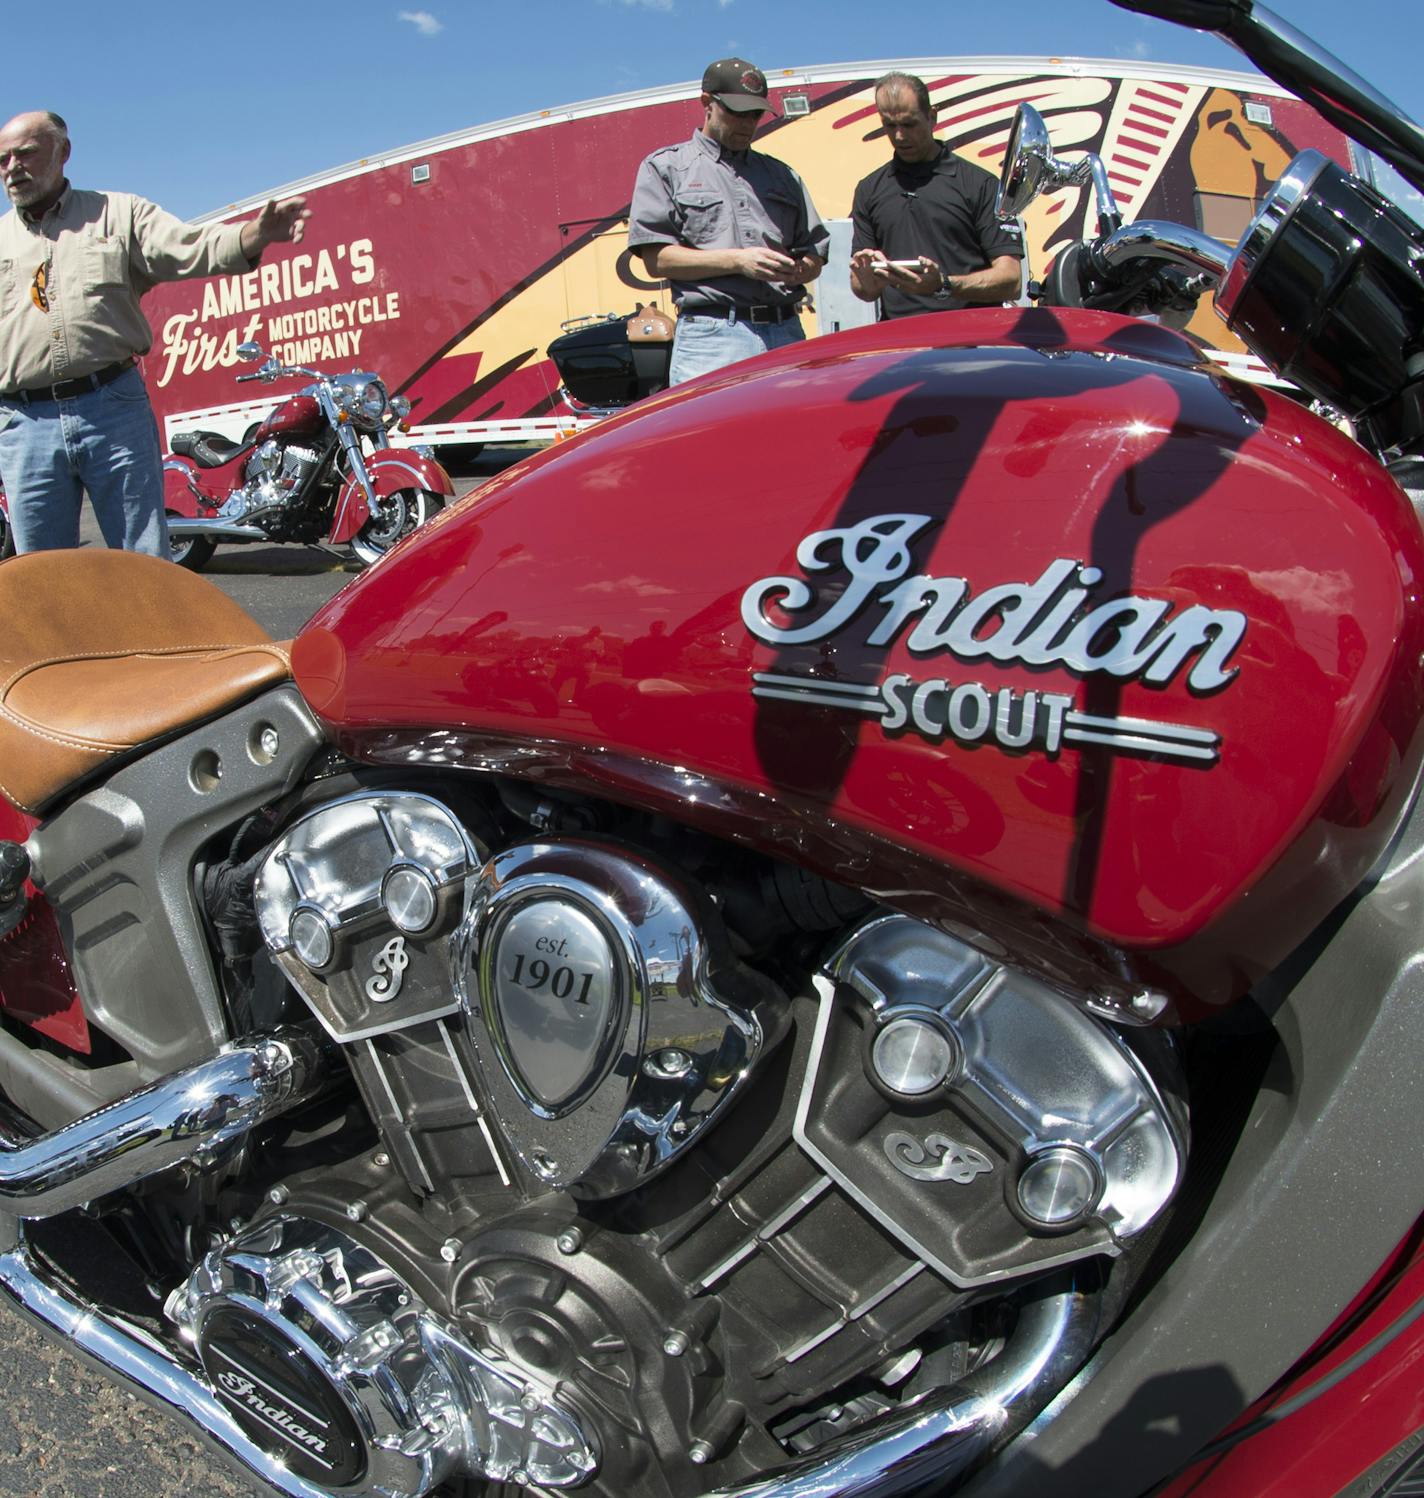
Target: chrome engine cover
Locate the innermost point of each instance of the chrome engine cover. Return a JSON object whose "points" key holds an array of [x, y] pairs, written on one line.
{"points": [[610, 1021], [325, 896], [329, 1363], [996, 1128]]}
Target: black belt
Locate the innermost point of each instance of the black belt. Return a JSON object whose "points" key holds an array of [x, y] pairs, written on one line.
{"points": [[66, 390], [777, 313]]}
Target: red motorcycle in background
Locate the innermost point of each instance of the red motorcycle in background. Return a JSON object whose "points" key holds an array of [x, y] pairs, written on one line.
{"points": [[319, 468], [902, 979]]}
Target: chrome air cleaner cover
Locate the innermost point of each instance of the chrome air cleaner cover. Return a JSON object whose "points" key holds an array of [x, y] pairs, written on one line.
{"points": [[329, 1363], [609, 1019]]}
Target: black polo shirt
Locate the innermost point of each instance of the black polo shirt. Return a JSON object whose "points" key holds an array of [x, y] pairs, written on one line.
{"points": [[942, 208]]}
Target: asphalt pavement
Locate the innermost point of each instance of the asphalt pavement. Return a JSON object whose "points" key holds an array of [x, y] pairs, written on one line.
{"points": [[69, 1432]]}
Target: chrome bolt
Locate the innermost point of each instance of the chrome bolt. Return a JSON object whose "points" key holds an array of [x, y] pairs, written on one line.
{"points": [[450, 1250], [380, 1160], [269, 742], [519, 1477], [356, 1211], [570, 1240], [531, 1403], [675, 1344], [700, 1452], [278, 1195], [1149, 1003]]}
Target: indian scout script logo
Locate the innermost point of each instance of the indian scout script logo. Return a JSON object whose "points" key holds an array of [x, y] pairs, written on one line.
{"points": [[1048, 622]]}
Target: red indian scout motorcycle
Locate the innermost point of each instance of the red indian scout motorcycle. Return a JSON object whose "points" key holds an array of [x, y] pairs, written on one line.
{"points": [[302, 473], [904, 979]]}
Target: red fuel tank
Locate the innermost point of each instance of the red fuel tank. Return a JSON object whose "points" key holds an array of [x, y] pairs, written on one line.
{"points": [[298, 413], [1028, 621]]}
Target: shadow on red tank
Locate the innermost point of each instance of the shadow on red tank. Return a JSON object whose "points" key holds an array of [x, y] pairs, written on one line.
{"points": [[1033, 622]]}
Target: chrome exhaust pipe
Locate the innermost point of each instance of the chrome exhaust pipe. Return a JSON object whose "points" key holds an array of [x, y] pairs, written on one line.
{"points": [[215, 530], [197, 1116], [936, 1440], [928, 1445]]}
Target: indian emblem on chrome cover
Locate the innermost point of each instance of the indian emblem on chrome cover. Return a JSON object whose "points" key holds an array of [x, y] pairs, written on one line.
{"points": [[388, 965], [1051, 621], [939, 1158]]}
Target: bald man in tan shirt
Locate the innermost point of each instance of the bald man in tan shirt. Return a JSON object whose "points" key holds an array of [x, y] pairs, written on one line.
{"points": [[74, 412]]}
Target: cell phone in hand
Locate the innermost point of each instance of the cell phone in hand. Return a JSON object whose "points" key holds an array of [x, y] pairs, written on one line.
{"points": [[909, 265]]}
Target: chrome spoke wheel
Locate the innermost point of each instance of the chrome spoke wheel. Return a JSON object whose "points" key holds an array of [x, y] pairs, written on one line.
{"points": [[401, 513]]}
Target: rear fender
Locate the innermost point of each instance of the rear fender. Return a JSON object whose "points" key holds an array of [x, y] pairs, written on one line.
{"points": [[183, 493], [390, 470]]}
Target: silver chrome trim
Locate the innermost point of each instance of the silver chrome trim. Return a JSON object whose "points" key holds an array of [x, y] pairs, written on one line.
{"points": [[217, 530], [1156, 239], [195, 1116]]}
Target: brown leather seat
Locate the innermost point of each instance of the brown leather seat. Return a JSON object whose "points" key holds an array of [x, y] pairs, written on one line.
{"points": [[103, 651]]}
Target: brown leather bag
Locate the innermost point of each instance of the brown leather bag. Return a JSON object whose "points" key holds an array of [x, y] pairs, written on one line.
{"points": [[648, 325]]}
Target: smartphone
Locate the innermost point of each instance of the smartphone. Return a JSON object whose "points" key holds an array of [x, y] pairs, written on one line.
{"points": [[909, 265]]}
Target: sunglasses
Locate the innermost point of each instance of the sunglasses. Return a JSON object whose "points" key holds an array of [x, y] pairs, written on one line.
{"points": [[38, 294]]}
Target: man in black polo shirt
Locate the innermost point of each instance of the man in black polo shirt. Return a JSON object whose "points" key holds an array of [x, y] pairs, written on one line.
{"points": [[925, 235]]}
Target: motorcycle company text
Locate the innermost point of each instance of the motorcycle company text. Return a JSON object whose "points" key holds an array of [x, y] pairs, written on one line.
{"points": [[331, 330]]}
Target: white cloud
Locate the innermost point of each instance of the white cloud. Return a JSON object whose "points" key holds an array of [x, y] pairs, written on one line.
{"points": [[423, 21], [723, 4]]}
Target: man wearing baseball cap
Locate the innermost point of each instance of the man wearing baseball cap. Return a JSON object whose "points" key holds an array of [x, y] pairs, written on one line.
{"points": [[732, 229]]}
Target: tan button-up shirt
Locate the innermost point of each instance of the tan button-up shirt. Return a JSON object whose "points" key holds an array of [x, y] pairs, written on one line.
{"points": [[100, 252]]}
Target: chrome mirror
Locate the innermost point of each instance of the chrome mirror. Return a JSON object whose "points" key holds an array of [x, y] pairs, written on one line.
{"points": [[1028, 164], [248, 352], [1031, 168]]}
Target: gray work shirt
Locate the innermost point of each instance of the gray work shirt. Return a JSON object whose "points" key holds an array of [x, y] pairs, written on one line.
{"points": [[100, 252], [698, 195]]}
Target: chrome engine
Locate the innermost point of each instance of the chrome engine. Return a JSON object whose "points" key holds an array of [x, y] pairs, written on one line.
{"points": [[603, 1129], [275, 474]]}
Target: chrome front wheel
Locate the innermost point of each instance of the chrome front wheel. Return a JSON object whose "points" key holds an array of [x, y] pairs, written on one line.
{"points": [[401, 513]]}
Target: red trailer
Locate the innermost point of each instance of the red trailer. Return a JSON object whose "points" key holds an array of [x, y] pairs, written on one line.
{"points": [[449, 265]]}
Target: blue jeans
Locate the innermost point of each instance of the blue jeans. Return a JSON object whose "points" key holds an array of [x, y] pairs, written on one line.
{"points": [[105, 443], [702, 344]]}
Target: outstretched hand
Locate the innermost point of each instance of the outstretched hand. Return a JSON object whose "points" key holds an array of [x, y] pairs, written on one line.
{"points": [[283, 222]]}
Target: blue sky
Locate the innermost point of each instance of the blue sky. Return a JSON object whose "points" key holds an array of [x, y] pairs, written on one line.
{"points": [[197, 106]]}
